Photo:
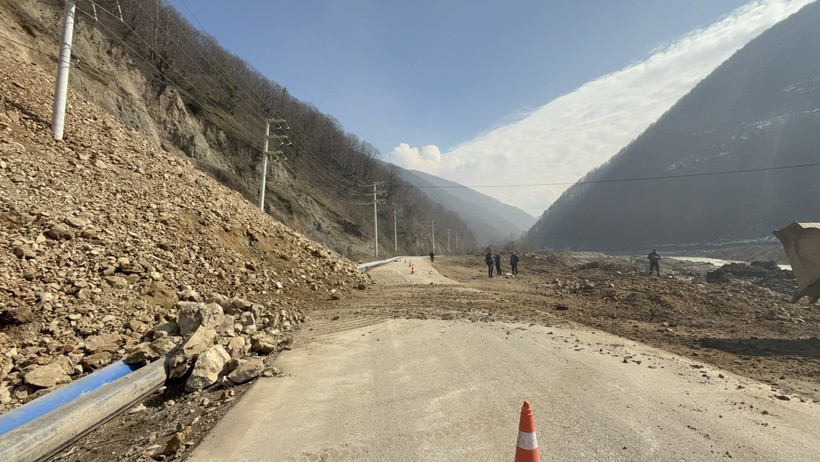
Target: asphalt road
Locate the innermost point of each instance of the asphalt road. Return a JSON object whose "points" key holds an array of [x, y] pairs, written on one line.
{"points": [[412, 390]]}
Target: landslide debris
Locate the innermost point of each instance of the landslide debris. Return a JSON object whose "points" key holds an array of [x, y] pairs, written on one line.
{"points": [[111, 247]]}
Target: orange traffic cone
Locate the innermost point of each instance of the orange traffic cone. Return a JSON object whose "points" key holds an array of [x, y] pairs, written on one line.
{"points": [[527, 448]]}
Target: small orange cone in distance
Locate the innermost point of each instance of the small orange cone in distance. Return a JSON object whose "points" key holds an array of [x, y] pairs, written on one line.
{"points": [[527, 448]]}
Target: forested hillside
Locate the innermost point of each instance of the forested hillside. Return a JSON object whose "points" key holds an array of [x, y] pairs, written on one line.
{"points": [[143, 62], [733, 160]]}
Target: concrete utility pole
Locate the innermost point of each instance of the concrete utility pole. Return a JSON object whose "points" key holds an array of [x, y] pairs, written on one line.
{"points": [[376, 220], [264, 167], [448, 240], [265, 153], [433, 227], [63, 66], [395, 232]]}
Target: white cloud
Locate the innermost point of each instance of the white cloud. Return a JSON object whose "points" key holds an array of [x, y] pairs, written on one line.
{"points": [[425, 159], [564, 139]]}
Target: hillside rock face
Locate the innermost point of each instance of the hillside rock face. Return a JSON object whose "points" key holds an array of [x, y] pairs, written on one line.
{"points": [[760, 109], [109, 245]]}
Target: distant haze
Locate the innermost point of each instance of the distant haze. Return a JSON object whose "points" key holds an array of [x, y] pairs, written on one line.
{"points": [[548, 149]]}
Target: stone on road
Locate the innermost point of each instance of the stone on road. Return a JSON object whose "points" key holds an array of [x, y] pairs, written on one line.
{"points": [[406, 390]]}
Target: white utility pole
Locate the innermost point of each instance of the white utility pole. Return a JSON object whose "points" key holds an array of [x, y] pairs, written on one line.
{"points": [[264, 167], [433, 227], [265, 153], [375, 220], [395, 232], [448, 240], [63, 65]]}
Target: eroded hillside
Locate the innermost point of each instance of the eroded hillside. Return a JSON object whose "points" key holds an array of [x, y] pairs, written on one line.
{"points": [[101, 235]]}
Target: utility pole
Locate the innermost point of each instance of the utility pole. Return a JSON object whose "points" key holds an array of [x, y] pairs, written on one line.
{"points": [[448, 240], [375, 220], [265, 153], [433, 227], [457, 251], [63, 65], [395, 232], [264, 167]]}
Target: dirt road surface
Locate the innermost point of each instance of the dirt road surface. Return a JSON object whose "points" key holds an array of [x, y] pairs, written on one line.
{"points": [[718, 330], [369, 380]]}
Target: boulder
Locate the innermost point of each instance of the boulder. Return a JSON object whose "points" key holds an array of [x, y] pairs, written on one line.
{"points": [[247, 369], [238, 305], [226, 328], [97, 360], [237, 347], [46, 376], [65, 363], [165, 329], [147, 352], [179, 363], [263, 344], [157, 293], [191, 315], [103, 342], [59, 231], [207, 368]]}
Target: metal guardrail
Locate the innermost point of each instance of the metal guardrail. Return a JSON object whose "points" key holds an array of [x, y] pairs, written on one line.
{"points": [[373, 264], [41, 428]]}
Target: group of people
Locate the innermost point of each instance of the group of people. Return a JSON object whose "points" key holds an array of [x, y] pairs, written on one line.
{"points": [[494, 261]]}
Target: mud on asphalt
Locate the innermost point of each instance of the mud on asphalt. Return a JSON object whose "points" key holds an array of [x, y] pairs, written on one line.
{"points": [[742, 322]]}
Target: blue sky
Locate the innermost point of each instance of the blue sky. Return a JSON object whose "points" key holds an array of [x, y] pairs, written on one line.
{"points": [[473, 90]]}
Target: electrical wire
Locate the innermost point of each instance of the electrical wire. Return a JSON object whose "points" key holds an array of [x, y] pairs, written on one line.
{"points": [[253, 141], [341, 182], [621, 180]]}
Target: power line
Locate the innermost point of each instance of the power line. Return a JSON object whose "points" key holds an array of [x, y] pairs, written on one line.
{"points": [[253, 141], [221, 70], [318, 167], [619, 180]]}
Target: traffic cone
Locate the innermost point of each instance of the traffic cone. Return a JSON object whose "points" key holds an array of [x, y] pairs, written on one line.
{"points": [[527, 448], [412, 270]]}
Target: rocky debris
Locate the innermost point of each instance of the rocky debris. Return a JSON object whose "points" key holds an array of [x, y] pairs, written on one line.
{"points": [[104, 234], [762, 273]]}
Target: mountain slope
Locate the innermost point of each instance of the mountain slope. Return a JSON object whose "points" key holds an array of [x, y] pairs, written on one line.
{"points": [[758, 111], [489, 219], [151, 69]]}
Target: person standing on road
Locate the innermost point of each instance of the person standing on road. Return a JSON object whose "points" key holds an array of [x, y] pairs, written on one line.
{"points": [[514, 262], [498, 263], [488, 259], [654, 261], [432, 256]]}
